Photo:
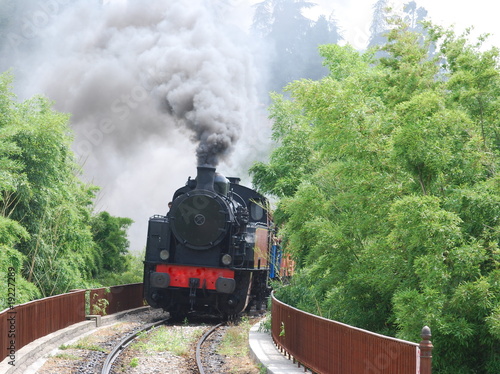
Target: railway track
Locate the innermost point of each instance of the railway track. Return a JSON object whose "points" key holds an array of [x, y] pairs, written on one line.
{"points": [[199, 360], [110, 359], [150, 342], [120, 347]]}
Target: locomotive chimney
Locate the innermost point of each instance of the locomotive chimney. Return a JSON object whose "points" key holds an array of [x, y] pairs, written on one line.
{"points": [[234, 180], [205, 178]]}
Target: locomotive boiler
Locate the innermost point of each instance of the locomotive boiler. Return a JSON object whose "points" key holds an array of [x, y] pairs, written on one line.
{"points": [[210, 252]]}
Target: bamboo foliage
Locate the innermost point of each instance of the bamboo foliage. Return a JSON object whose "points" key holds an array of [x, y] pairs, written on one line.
{"points": [[391, 207]]}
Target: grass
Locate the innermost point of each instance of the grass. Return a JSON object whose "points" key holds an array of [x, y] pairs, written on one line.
{"points": [[66, 356], [265, 325], [84, 343], [134, 362], [178, 340], [234, 347], [235, 341]]}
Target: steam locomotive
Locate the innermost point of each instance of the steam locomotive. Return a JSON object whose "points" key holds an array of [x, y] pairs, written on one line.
{"points": [[213, 251]]}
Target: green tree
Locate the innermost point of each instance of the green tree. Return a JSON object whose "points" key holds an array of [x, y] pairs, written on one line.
{"points": [[414, 16], [383, 22], [392, 216], [11, 265], [11, 178], [290, 162], [474, 81], [379, 25], [47, 230], [53, 205], [110, 237]]}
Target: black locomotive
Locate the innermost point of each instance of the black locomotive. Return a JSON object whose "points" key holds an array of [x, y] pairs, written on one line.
{"points": [[211, 251]]}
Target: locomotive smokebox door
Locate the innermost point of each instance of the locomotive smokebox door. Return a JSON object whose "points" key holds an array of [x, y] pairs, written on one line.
{"points": [[199, 219]]}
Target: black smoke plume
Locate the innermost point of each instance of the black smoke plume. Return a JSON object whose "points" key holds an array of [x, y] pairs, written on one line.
{"points": [[150, 86]]}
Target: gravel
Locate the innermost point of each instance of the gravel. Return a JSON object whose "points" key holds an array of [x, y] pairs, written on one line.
{"points": [[87, 354]]}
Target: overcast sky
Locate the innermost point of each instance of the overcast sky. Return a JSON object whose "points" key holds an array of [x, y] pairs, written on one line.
{"points": [[354, 16]]}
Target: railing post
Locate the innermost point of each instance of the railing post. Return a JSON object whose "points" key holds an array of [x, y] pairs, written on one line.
{"points": [[426, 351]]}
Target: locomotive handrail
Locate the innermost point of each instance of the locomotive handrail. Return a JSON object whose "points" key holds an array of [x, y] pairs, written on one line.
{"points": [[241, 200]]}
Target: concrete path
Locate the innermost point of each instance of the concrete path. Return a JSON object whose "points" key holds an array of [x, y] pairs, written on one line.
{"points": [[267, 354]]}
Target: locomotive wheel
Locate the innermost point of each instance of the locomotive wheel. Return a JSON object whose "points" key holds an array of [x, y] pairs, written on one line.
{"points": [[177, 315]]}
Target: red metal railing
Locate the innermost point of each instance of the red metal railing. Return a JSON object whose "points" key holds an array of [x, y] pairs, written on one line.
{"points": [[326, 346], [117, 298], [24, 323]]}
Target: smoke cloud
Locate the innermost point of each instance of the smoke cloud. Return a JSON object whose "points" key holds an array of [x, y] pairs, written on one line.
{"points": [[153, 88]]}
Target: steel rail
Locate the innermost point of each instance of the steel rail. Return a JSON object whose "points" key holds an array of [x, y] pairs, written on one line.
{"points": [[115, 352], [200, 343]]}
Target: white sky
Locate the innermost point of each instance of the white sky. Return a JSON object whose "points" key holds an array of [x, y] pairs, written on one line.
{"points": [[355, 16]]}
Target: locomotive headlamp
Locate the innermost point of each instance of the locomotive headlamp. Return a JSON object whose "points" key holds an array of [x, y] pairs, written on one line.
{"points": [[227, 259], [164, 255]]}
